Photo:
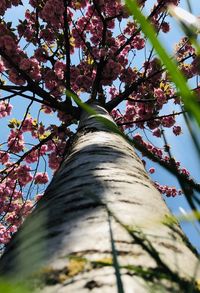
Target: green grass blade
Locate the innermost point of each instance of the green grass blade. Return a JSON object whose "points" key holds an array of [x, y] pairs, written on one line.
{"points": [[120, 288]]}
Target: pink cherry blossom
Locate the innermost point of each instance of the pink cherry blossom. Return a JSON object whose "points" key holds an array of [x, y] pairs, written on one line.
{"points": [[152, 170], [4, 157], [23, 174], [15, 141], [41, 178], [5, 109], [177, 130]]}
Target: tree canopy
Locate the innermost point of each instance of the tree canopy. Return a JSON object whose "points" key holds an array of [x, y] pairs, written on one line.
{"points": [[61, 54]]}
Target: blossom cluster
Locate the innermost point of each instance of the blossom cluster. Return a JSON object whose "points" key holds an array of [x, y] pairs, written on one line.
{"points": [[5, 109], [9, 44], [168, 190], [12, 212]]}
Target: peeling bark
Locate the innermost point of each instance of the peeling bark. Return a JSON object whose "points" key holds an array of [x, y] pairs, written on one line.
{"points": [[101, 191]]}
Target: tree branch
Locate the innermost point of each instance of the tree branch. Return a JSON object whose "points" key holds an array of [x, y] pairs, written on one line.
{"points": [[150, 119], [100, 66], [36, 89]]}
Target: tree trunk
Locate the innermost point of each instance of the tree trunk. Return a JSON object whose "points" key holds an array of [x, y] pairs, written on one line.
{"points": [[101, 225]]}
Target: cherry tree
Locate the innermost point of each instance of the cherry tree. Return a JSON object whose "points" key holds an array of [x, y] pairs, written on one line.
{"points": [[76, 98]]}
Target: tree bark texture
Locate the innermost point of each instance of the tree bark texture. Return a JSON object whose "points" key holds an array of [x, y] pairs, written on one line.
{"points": [[101, 226]]}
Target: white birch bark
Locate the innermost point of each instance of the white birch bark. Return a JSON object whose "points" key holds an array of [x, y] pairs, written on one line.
{"points": [[67, 239]]}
